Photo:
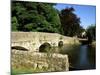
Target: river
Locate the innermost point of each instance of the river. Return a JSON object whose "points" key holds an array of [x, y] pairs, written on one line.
{"points": [[82, 57]]}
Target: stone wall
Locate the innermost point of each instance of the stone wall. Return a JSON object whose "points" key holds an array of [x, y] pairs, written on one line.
{"points": [[33, 40], [45, 62]]}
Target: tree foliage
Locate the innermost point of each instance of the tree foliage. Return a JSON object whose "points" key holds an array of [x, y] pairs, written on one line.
{"points": [[43, 17], [91, 33], [70, 22], [33, 16], [14, 23]]}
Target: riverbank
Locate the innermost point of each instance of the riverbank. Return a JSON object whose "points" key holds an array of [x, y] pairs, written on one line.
{"points": [[81, 57], [93, 44]]}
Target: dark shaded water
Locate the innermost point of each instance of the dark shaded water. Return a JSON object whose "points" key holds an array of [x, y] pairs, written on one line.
{"points": [[82, 57]]}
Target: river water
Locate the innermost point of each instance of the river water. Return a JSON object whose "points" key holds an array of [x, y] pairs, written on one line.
{"points": [[82, 57]]}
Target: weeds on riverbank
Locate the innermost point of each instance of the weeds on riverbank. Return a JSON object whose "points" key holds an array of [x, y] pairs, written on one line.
{"points": [[27, 71], [69, 49]]}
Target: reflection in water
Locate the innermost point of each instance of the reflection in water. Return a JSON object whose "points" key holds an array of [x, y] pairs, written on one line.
{"points": [[82, 57]]}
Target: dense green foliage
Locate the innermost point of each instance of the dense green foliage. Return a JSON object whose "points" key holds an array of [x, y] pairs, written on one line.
{"points": [[30, 16], [43, 17], [14, 23], [91, 33]]}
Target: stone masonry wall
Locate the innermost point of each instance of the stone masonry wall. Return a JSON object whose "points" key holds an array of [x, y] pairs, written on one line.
{"points": [[33, 40], [49, 62]]}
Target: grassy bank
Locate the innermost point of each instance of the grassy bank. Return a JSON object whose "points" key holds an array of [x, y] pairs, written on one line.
{"points": [[93, 44], [27, 71], [69, 49]]}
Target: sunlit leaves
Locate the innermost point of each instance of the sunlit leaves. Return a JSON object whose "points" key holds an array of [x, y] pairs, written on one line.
{"points": [[35, 16]]}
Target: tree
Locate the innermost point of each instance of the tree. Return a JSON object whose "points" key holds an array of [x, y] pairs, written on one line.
{"points": [[70, 22], [81, 30], [33, 16], [91, 33], [14, 23]]}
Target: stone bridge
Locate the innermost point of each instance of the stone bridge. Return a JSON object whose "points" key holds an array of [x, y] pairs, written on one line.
{"points": [[33, 40]]}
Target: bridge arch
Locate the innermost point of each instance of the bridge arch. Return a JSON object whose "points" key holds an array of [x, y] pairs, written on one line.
{"points": [[60, 43], [45, 47], [19, 48]]}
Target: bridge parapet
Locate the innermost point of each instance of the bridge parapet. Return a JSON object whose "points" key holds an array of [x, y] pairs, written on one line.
{"points": [[33, 40]]}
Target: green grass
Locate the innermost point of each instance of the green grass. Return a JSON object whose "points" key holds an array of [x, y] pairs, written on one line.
{"points": [[69, 48], [27, 71]]}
